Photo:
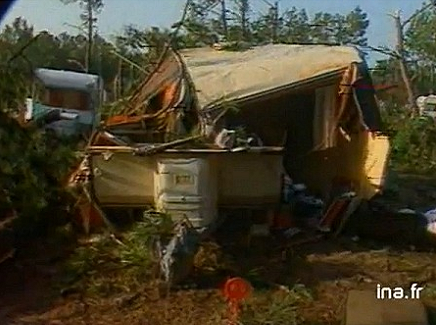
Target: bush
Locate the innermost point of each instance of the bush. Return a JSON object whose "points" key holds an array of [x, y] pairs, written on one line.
{"points": [[413, 141], [276, 308], [32, 170], [109, 265]]}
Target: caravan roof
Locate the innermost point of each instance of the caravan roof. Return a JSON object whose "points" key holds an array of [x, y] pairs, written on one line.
{"points": [[61, 79], [232, 75]]}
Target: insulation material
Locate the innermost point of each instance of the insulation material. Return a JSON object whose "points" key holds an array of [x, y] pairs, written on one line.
{"points": [[170, 94]]}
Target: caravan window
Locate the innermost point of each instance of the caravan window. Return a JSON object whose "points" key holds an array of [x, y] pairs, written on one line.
{"points": [[70, 99], [430, 107]]}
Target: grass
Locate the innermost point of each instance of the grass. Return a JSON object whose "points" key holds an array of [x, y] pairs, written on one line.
{"points": [[318, 277], [123, 270], [114, 282], [275, 308], [108, 264]]}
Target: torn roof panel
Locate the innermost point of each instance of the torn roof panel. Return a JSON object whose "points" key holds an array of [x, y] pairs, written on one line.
{"points": [[61, 79], [167, 75], [232, 75]]}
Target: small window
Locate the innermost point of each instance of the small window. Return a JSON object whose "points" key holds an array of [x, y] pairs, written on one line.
{"points": [[70, 99], [430, 107]]}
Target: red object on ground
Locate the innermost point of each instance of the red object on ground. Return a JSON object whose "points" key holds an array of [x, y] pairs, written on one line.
{"points": [[235, 291]]}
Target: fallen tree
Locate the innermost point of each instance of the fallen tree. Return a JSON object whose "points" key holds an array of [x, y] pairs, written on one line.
{"points": [[32, 168]]}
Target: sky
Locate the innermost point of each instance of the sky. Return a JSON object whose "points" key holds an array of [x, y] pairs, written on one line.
{"points": [[54, 16]]}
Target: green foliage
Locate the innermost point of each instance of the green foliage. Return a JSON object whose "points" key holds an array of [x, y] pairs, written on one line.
{"points": [[32, 174], [129, 261], [420, 36], [31, 169], [89, 7], [208, 22], [278, 308], [420, 51], [413, 141]]}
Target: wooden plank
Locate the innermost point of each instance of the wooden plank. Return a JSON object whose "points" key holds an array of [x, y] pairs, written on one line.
{"points": [[126, 149]]}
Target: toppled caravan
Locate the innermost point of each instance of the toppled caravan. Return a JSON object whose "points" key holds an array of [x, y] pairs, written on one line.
{"points": [[212, 130]]}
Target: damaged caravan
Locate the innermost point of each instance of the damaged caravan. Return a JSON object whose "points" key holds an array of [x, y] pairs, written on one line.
{"points": [[212, 130], [65, 103]]}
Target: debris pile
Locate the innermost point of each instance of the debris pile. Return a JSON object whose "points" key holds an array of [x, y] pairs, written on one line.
{"points": [[227, 160], [303, 212], [376, 219]]}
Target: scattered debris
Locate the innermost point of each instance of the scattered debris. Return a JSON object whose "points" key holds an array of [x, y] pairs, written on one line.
{"points": [[183, 146], [177, 257], [431, 221]]}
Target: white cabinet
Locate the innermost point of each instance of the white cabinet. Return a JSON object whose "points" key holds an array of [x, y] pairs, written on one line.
{"points": [[186, 188]]}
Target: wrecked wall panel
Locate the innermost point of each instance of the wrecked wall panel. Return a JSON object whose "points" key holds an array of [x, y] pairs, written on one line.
{"points": [[243, 178], [168, 73], [124, 179]]}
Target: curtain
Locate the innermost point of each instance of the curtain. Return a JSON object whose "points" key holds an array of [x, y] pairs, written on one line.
{"points": [[325, 118]]}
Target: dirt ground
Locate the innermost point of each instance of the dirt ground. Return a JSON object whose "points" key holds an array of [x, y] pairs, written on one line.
{"points": [[319, 275]]}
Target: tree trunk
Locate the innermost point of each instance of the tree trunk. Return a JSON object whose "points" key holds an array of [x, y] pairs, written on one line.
{"points": [[224, 19], [90, 34], [275, 22], [120, 79], [244, 7], [402, 63]]}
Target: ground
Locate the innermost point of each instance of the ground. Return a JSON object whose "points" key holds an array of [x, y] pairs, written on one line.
{"points": [[303, 285]]}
